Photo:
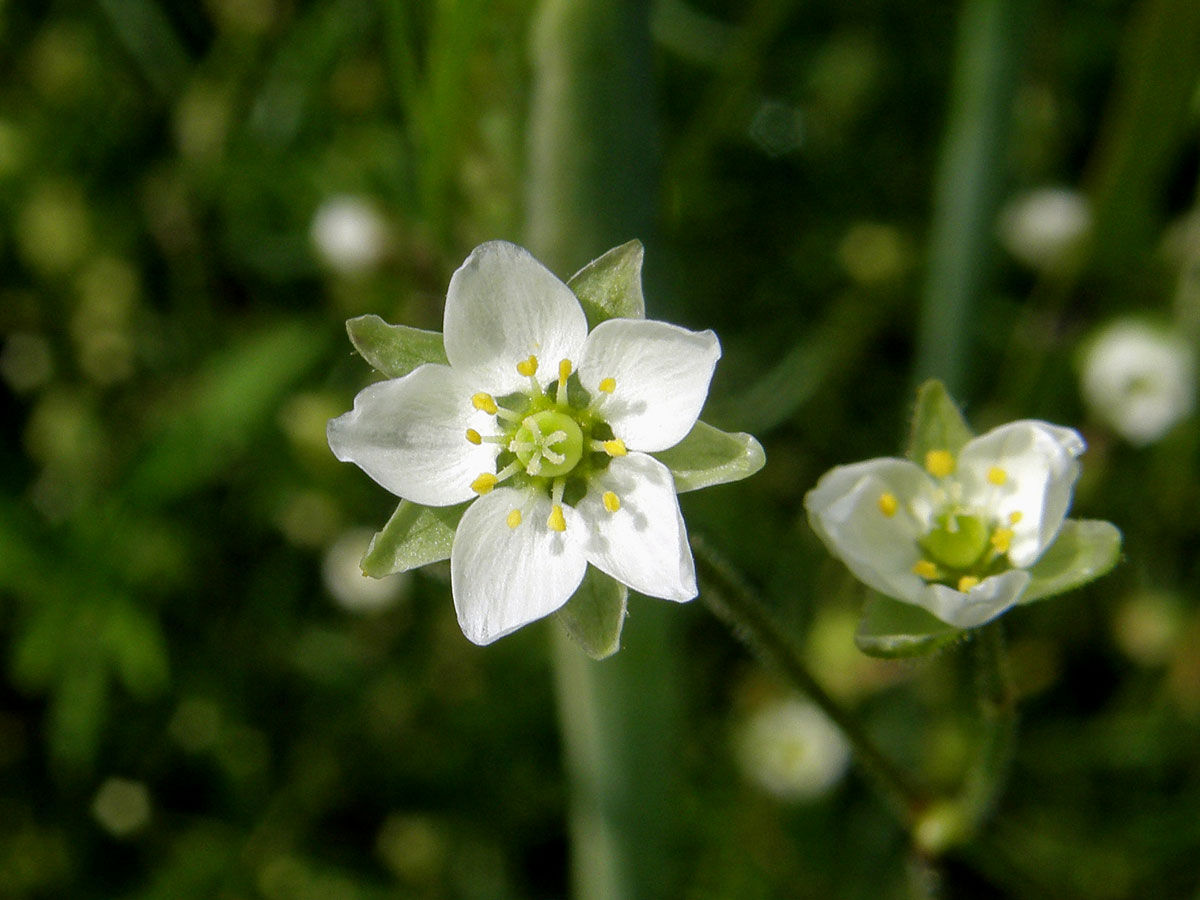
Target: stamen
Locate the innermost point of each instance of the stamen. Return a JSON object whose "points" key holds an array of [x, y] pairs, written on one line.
{"points": [[611, 501], [556, 522], [997, 476], [528, 366], [508, 415], [608, 385], [564, 372], [474, 437], [926, 570], [1002, 539], [513, 519], [1015, 516], [888, 504], [967, 582], [615, 447], [939, 463], [484, 483], [485, 402]]}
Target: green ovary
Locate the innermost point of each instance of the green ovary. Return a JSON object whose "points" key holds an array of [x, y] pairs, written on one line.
{"points": [[533, 441], [958, 543]]}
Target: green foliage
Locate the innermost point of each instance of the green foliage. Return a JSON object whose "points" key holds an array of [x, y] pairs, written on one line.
{"points": [[414, 536], [1082, 552], [891, 629], [610, 286], [595, 614], [394, 350], [708, 456], [937, 423]]}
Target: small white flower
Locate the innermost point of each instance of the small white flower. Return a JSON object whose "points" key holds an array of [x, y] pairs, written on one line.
{"points": [[350, 235], [559, 460], [1139, 379], [791, 749], [1043, 227], [957, 536]]}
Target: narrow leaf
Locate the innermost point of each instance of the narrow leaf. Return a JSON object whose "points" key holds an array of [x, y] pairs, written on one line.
{"points": [[937, 423], [709, 456], [610, 287], [595, 614], [894, 630], [414, 536], [1084, 550], [394, 350]]}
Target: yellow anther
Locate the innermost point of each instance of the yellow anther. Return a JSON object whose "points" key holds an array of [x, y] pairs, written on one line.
{"points": [[608, 385], [484, 402], [611, 501], [556, 522], [513, 519], [615, 447], [474, 436], [527, 366], [925, 569], [1015, 516], [997, 476], [484, 483], [939, 463], [1002, 539], [967, 582], [564, 370], [888, 504]]}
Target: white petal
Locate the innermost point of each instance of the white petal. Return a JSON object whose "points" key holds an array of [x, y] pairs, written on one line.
{"points": [[662, 373], [1040, 469], [644, 543], [982, 603], [504, 306], [504, 577], [410, 435], [881, 550]]}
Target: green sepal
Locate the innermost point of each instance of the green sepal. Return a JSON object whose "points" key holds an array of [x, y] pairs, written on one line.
{"points": [[937, 423], [893, 630], [709, 456], [1084, 550], [595, 614], [394, 350], [414, 536], [610, 286]]}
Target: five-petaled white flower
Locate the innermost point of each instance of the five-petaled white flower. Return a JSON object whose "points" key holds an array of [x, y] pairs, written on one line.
{"points": [[957, 536], [559, 460]]}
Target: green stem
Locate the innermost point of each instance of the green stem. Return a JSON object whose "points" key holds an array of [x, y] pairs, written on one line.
{"points": [[967, 187], [736, 603], [998, 723]]}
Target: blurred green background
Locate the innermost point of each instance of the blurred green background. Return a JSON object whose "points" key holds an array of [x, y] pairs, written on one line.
{"points": [[201, 697]]}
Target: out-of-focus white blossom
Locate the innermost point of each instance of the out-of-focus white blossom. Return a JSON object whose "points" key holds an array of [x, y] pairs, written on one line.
{"points": [[350, 235], [792, 750], [1139, 379], [1043, 228], [122, 806], [344, 579]]}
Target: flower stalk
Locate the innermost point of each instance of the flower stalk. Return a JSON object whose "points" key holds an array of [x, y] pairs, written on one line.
{"points": [[734, 602]]}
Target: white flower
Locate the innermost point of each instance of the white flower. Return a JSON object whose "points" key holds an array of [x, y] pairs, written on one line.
{"points": [[1043, 228], [350, 235], [559, 461], [1139, 379], [790, 748], [957, 536]]}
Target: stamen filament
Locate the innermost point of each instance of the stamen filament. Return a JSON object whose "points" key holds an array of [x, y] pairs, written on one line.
{"points": [[507, 414], [564, 372]]}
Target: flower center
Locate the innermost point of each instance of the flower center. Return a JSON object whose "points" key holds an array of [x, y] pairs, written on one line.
{"points": [[550, 435], [548, 443], [964, 546]]}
